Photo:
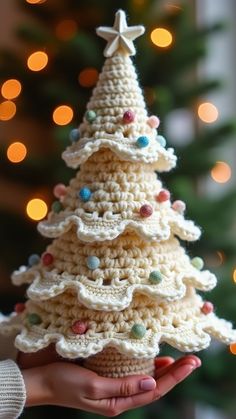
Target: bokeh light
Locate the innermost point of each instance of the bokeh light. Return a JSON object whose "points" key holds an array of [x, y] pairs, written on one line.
{"points": [[7, 110], [11, 89], [63, 115], [88, 77], [150, 95], [16, 152], [37, 61], [36, 209], [208, 112], [233, 348], [234, 275], [221, 172], [36, 1], [66, 29], [161, 37]]}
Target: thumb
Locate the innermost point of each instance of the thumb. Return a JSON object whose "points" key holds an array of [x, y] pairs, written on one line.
{"points": [[125, 386]]}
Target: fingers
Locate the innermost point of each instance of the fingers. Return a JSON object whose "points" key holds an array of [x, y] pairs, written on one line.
{"points": [[105, 388], [192, 359], [161, 363], [176, 373]]}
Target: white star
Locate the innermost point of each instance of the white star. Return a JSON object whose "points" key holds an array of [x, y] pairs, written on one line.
{"points": [[120, 36]]}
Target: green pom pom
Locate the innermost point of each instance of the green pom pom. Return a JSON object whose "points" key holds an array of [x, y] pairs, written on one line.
{"points": [[56, 207], [34, 319], [155, 277], [138, 331], [90, 116], [197, 262]]}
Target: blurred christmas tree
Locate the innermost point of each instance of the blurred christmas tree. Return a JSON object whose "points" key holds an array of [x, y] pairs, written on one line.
{"points": [[56, 70]]}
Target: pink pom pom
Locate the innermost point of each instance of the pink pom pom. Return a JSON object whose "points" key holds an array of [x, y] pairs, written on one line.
{"points": [[146, 210], [153, 121], [207, 307], [79, 327], [179, 206], [128, 117], [59, 190], [47, 258], [19, 308], [163, 195]]}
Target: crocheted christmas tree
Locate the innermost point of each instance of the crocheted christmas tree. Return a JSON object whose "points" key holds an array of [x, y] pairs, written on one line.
{"points": [[115, 281]]}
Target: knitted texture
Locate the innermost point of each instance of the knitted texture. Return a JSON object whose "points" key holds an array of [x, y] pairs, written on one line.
{"points": [[123, 270], [12, 390], [117, 91], [115, 282], [119, 189]]}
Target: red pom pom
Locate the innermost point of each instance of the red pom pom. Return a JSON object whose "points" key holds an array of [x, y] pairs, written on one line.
{"points": [[207, 307], [47, 259], [19, 308], [146, 210], [128, 117], [79, 327], [163, 195], [59, 190]]}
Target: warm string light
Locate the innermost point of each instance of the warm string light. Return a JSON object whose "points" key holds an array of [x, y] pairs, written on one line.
{"points": [[62, 115], [35, 1], [11, 89], [208, 112], [37, 61], [88, 77], [221, 172], [161, 37], [66, 29], [36, 209], [16, 152], [7, 110], [234, 275], [233, 348]]}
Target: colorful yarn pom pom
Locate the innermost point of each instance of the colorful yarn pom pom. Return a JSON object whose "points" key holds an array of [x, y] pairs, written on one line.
{"points": [[153, 121], [93, 262], [59, 190], [79, 327], [138, 331], [128, 117], [164, 195], [146, 210], [207, 307], [142, 142], [47, 259]]}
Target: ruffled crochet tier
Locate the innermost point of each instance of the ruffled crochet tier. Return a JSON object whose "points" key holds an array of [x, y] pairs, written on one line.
{"points": [[125, 267], [181, 324], [116, 92], [119, 189]]}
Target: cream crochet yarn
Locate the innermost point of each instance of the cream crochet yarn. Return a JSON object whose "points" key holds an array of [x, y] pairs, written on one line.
{"points": [[115, 281]]}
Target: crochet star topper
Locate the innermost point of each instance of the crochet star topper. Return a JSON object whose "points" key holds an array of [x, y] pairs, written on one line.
{"points": [[120, 36]]}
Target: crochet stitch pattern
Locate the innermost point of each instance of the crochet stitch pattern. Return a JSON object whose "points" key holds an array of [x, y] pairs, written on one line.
{"points": [[115, 282]]}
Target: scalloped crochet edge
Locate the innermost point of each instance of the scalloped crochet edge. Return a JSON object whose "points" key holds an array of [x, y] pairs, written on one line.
{"points": [[123, 148]]}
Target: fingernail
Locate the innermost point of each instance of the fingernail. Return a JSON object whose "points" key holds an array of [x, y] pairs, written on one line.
{"points": [[147, 384]]}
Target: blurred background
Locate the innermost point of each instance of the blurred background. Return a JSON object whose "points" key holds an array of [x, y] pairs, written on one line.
{"points": [[50, 59]]}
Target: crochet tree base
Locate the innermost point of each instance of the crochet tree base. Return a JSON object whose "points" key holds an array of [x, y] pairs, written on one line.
{"points": [[113, 364]]}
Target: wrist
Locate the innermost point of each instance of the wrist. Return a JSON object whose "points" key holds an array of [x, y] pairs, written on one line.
{"points": [[37, 386]]}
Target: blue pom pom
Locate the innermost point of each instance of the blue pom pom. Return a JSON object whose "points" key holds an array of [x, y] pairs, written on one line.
{"points": [[85, 194], [33, 260], [74, 135], [161, 140], [93, 262], [142, 142]]}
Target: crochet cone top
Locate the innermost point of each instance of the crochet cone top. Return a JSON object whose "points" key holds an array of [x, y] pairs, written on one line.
{"points": [[115, 274]]}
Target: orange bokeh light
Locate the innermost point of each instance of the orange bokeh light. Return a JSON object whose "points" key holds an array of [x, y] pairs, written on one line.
{"points": [[234, 275], [7, 110], [221, 172], [11, 89], [63, 115], [88, 77], [16, 152], [66, 29], [37, 61], [161, 37], [35, 1], [233, 348], [36, 209], [208, 112]]}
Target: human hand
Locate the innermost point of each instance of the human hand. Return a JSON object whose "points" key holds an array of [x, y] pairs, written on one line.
{"points": [[67, 384]]}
